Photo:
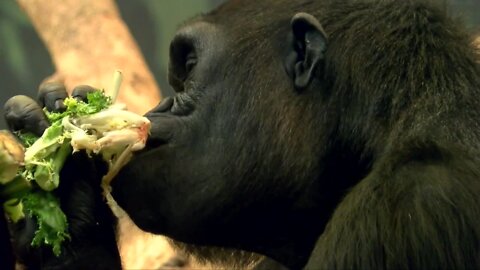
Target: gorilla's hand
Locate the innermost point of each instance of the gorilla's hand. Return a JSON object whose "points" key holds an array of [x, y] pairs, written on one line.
{"points": [[91, 223]]}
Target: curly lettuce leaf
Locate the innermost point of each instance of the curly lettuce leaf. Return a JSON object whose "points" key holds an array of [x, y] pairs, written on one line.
{"points": [[47, 174], [44, 160], [96, 101], [45, 157], [47, 144], [27, 138], [92, 126], [52, 222]]}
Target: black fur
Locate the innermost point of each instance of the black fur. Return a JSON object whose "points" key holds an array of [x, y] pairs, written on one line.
{"points": [[374, 165]]}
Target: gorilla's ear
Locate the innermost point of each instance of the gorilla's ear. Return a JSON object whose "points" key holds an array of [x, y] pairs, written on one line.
{"points": [[307, 52]]}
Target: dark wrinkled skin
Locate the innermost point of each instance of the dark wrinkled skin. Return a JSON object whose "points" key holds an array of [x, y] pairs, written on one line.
{"points": [[343, 137], [259, 164]]}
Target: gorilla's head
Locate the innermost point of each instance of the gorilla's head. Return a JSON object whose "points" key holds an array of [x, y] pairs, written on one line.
{"points": [[233, 157], [277, 116]]}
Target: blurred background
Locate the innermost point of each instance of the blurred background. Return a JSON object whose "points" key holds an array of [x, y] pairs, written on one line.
{"points": [[25, 62]]}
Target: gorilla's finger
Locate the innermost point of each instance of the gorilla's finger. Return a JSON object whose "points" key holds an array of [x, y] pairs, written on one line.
{"points": [[51, 96], [80, 92], [23, 232], [24, 113]]}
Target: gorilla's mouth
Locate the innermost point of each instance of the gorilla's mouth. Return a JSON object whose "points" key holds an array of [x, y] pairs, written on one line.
{"points": [[162, 123], [153, 143], [166, 119]]}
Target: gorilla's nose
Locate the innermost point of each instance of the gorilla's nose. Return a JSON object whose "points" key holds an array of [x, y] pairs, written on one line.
{"points": [[164, 106]]}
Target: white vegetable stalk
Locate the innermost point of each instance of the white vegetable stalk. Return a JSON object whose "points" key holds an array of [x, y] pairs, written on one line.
{"points": [[115, 133], [109, 131], [117, 81]]}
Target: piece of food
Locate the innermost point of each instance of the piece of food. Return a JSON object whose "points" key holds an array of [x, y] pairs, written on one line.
{"points": [[12, 186], [11, 156], [96, 126]]}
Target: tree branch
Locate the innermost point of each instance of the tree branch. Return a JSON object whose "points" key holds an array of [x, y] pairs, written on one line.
{"points": [[88, 41]]}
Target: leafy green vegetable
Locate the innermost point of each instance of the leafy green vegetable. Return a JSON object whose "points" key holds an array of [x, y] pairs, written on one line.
{"points": [[44, 159], [97, 101], [14, 209], [94, 126], [27, 138], [47, 175], [45, 145], [52, 223]]}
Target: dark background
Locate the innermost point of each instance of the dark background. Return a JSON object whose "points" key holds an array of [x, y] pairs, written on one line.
{"points": [[24, 61]]}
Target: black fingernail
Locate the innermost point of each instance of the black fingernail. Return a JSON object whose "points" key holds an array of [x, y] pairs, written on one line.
{"points": [[81, 92], [59, 105], [80, 98]]}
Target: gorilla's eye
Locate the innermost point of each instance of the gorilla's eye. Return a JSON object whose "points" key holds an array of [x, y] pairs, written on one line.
{"points": [[190, 62], [183, 58]]}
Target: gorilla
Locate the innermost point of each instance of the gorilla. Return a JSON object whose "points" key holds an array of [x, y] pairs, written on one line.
{"points": [[322, 134]]}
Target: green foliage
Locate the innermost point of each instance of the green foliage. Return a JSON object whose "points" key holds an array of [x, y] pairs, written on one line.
{"points": [[52, 222], [44, 159], [27, 138], [97, 101]]}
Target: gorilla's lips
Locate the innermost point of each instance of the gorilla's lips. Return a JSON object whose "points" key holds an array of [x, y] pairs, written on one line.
{"points": [[163, 128]]}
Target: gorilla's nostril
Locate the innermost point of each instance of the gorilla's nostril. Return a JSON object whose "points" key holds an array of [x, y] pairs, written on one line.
{"points": [[182, 105], [163, 106]]}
